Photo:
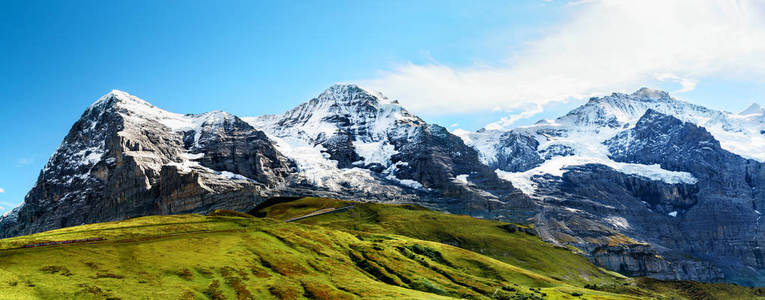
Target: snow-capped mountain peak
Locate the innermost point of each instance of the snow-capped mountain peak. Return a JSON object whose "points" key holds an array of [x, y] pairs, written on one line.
{"points": [[577, 138], [345, 126], [346, 92], [121, 100], [343, 108], [618, 109], [754, 109], [649, 93]]}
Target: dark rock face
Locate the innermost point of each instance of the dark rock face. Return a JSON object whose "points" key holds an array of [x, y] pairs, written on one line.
{"points": [[631, 260], [237, 147], [622, 221], [518, 153], [721, 223], [556, 150], [120, 161], [434, 157], [408, 157], [340, 148], [125, 158]]}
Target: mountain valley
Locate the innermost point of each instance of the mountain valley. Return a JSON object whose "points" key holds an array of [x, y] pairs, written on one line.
{"points": [[641, 184]]}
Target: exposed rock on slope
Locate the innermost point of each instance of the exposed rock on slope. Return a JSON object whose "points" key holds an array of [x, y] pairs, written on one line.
{"points": [[723, 224], [127, 158], [643, 183], [349, 139]]}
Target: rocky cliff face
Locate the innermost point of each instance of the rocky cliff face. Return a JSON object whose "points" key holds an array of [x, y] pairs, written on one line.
{"points": [[348, 135], [723, 223], [624, 222], [126, 158], [645, 184]]}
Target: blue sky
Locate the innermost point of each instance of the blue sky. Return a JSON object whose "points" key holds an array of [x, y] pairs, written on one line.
{"points": [[452, 62]]}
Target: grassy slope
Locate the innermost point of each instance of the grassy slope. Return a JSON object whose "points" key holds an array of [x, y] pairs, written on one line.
{"points": [[487, 237], [184, 256], [223, 257], [490, 238]]}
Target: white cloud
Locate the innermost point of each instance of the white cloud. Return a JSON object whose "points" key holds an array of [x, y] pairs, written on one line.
{"points": [[580, 2], [24, 161], [604, 46], [505, 122], [2, 191]]}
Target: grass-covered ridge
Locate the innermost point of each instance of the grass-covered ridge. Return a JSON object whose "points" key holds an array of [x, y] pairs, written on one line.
{"points": [[510, 243], [349, 255]]}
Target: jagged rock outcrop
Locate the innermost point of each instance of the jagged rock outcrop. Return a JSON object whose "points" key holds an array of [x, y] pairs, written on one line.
{"points": [[624, 222], [126, 158], [517, 153], [349, 130], [644, 184], [723, 224]]}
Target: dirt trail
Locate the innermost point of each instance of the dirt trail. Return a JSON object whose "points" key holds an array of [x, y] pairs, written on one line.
{"points": [[321, 212]]}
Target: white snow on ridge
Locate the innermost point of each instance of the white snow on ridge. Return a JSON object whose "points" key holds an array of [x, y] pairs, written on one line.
{"points": [[369, 117], [618, 222], [138, 112], [584, 130], [587, 143], [742, 134], [374, 152], [463, 178], [318, 169], [484, 142], [556, 167]]}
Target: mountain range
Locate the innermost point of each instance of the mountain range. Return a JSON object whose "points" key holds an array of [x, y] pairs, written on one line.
{"points": [[642, 183]]}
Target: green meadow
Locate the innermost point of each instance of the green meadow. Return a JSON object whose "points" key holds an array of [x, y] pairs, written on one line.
{"points": [[371, 251]]}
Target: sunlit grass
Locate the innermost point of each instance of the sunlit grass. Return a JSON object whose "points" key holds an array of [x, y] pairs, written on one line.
{"points": [[369, 252]]}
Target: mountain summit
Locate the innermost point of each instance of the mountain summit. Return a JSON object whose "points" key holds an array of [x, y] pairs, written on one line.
{"points": [[125, 158], [754, 109]]}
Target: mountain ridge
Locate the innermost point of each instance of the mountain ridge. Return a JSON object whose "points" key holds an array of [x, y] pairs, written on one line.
{"points": [[127, 158]]}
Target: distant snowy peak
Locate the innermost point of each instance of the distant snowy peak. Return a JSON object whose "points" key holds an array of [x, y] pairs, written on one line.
{"points": [[119, 125], [618, 110], [650, 94], [346, 92], [346, 126], [753, 110], [135, 111], [742, 134], [551, 146], [342, 108]]}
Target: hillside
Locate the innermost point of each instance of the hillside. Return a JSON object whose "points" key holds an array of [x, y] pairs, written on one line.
{"points": [[364, 252]]}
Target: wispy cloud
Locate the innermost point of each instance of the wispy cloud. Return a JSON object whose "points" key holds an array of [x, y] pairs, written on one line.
{"points": [[2, 191], [509, 120], [604, 46], [24, 161]]}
